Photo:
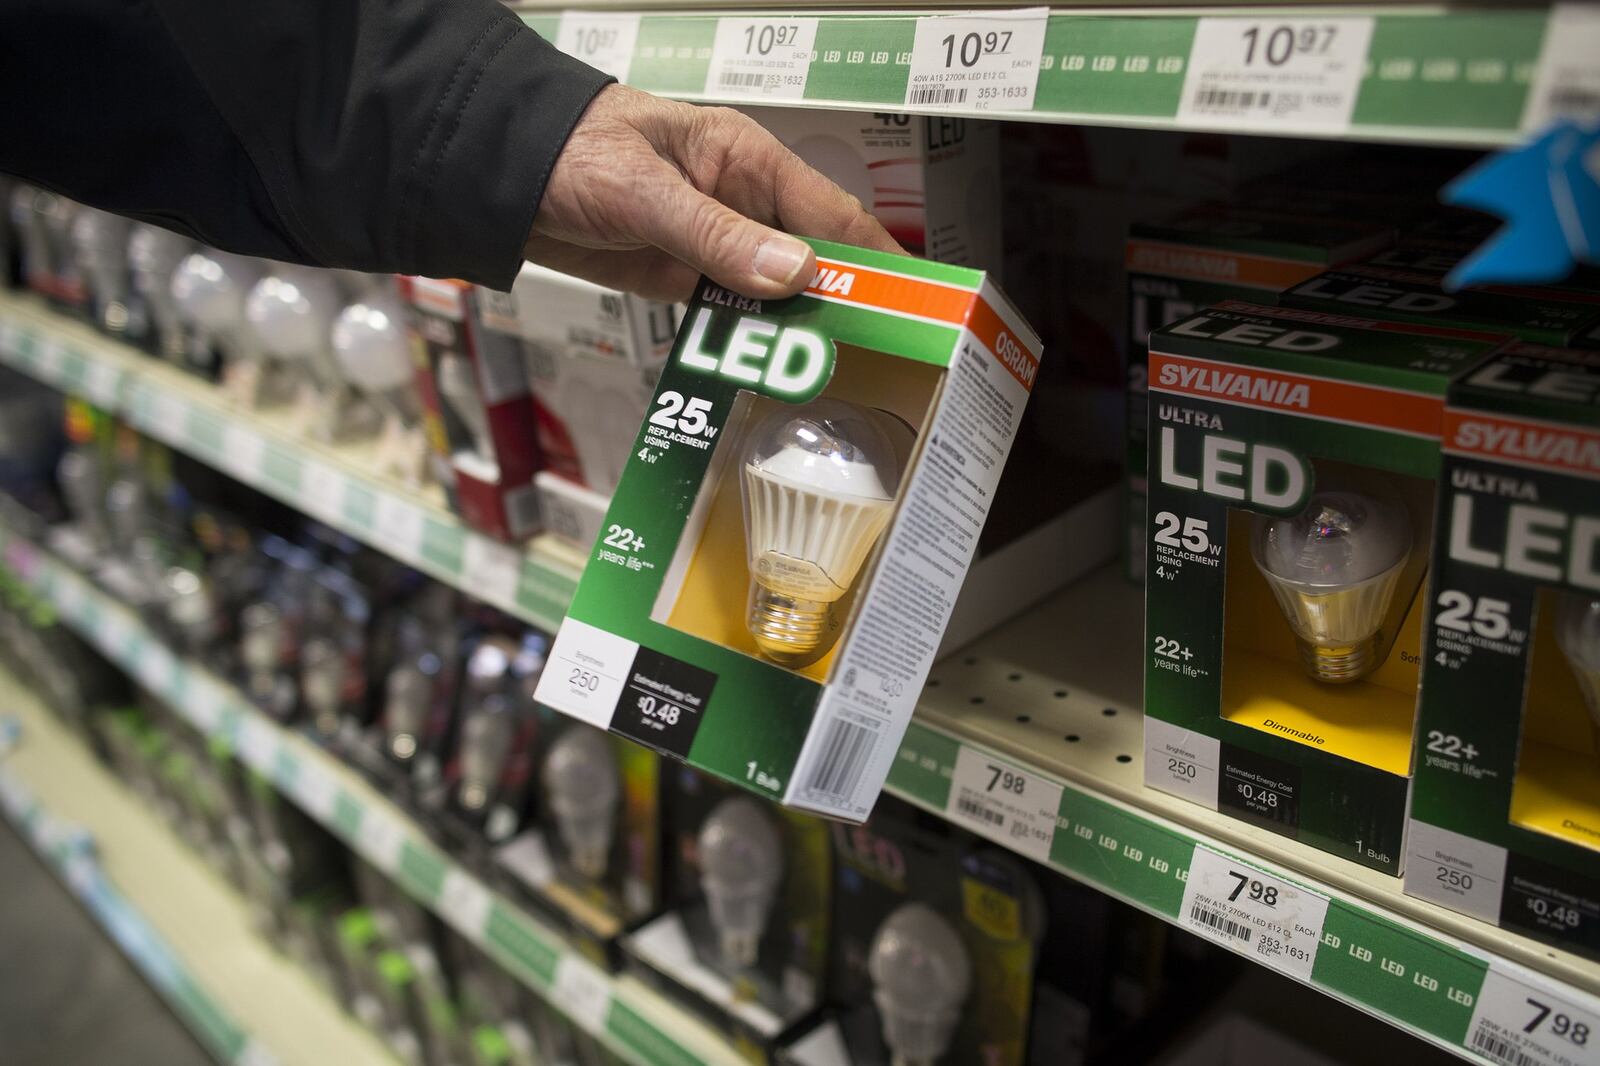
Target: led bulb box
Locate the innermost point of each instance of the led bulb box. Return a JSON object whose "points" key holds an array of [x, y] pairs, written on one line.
{"points": [[1505, 812], [936, 940], [1293, 458], [932, 181], [1199, 257], [744, 941], [477, 411], [856, 432], [592, 356]]}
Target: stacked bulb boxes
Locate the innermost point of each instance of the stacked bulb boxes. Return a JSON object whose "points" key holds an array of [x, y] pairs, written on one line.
{"points": [[1292, 464], [1505, 816], [797, 515]]}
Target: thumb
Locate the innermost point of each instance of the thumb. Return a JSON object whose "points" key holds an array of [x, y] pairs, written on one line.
{"points": [[732, 250]]}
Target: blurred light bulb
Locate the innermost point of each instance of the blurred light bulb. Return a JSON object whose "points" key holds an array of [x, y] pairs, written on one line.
{"points": [[406, 698], [580, 776], [741, 865], [1578, 634], [458, 383], [921, 975], [819, 485], [291, 312], [153, 257], [485, 743], [322, 673], [209, 289], [84, 490], [100, 247], [1334, 569], [189, 607]]}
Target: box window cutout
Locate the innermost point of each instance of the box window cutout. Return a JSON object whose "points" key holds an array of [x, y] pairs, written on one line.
{"points": [[1353, 601], [707, 591], [1556, 790]]}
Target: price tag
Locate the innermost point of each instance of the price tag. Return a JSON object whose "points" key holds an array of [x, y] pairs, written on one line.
{"points": [[101, 382], [381, 839], [156, 669], [398, 527], [14, 796], [1518, 1019], [761, 58], [69, 593], [322, 491], [168, 417], [255, 1054], [1277, 923], [243, 452], [490, 570], [316, 790], [10, 339], [582, 991], [117, 631], [204, 702], [464, 903], [1003, 802], [979, 62], [257, 745], [1275, 73], [1567, 82], [602, 40]]}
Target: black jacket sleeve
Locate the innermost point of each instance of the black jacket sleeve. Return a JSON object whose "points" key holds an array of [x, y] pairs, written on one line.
{"points": [[405, 136]]}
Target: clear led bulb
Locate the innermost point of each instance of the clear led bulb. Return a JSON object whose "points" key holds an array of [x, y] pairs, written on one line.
{"points": [[741, 866], [485, 743], [1334, 569], [1578, 634], [583, 788], [100, 247], [407, 694], [819, 485], [921, 976], [153, 257]]}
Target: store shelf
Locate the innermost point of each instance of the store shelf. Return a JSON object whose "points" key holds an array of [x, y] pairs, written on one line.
{"points": [[622, 1013], [334, 484], [185, 930], [1431, 74]]}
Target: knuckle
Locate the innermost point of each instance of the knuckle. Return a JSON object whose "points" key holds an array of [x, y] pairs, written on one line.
{"points": [[717, 233]]}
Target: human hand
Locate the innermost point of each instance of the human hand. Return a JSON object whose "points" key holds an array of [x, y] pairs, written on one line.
{"points": [[649, 194]]}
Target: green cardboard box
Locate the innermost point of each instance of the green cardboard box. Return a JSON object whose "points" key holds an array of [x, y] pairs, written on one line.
{"points": [[1505, 814], [865, 423], [1292, 464]]}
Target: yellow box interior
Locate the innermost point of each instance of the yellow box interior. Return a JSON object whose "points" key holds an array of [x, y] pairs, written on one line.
{"points": [[711, 600], [1556, 790], [1368, 721]]}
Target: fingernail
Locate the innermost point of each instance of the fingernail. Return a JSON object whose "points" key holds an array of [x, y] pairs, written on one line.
{"points": [[779, 259]]}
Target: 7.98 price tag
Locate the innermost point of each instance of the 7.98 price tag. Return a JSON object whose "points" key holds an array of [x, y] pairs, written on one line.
{"points": [[1517, 1019], [1276, 922], [1004, 803], [1275, 73], [982, 62]]}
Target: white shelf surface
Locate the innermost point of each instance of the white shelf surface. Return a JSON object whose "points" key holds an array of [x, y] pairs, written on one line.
{"points": [[186, 929]]}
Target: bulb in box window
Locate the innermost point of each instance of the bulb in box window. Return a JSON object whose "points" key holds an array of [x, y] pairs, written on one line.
{"points": [[153, 257], [921, 975], [406, 698], [581, 782], [485, 743], [1334, 569], [741, 864], [1578, 634], [458, 384], [189, 608], [819, 485], [100, 248], [322, 674]]}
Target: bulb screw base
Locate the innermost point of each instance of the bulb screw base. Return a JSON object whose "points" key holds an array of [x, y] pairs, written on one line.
{"points": [[1340, 664], [740, 948], [791, 632]]}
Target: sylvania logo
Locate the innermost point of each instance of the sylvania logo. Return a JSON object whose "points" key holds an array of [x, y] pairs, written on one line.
{"points": [[1256, 388]]}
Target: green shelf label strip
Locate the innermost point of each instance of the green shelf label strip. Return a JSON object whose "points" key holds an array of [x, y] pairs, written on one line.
{"points": [[1425, 74], [533, 588], [378, 832], [1412, 978]]}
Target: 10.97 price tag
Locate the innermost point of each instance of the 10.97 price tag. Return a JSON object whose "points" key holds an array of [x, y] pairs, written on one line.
{"points": [[980, 62], [601, 39], [761, 58], [1275, 73]]}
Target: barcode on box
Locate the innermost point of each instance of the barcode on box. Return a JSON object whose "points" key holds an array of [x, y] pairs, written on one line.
{"points": [[1221, 923], [937, 94], [1501, 1051], [1574, 101], [845, 750], [979, 811], [1230, 100], [738, 79]]}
